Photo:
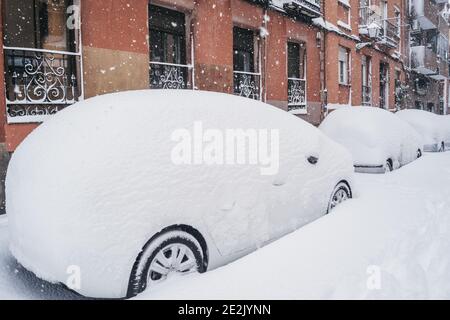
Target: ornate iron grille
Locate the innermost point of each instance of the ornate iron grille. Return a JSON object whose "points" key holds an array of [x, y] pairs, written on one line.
{"points": [[39, 83], [366, 96], [170, 76], [247, 84], [296, 94]]}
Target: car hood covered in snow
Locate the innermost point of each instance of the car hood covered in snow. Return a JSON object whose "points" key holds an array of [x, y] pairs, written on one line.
{"points": [[89, 187], [373, 135]]}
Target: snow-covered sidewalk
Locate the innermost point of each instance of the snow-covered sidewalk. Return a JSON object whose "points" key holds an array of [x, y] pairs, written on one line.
{"points": [[395, 236]]}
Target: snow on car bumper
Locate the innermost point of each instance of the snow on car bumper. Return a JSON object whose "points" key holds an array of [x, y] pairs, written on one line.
{"points": [[370, 169]]}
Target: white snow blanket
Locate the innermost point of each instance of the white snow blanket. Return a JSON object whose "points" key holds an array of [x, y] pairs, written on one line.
{"points": [[373, 136], [431, 127], [388, 243], [392, 242]]}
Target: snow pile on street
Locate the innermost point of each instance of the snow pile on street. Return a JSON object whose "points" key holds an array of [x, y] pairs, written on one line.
{"points": [[429, 125], [392, 242], [103, 182], [372, 135]]}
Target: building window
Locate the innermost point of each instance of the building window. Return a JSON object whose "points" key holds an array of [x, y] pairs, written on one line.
{"points": [[168, 49], [42, 58], [246, 75], [384, 85], [366, 77], [296, 76], [343, 66], [344, 14]]}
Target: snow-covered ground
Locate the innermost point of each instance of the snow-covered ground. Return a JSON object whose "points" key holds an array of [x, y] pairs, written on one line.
{"points": [[392, 241]]}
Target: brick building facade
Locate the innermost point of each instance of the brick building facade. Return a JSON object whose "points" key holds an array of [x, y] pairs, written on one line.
{"points": [[307, 57]]}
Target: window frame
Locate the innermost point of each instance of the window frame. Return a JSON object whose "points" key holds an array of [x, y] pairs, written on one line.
{"points": [[344, 78]]}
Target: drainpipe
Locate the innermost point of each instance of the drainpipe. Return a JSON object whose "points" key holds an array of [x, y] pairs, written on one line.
{"points": [[264, 72], [323, 78]]}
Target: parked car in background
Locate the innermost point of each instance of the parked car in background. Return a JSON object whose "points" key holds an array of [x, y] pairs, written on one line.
{"points": [[431, 127], [105, 195], [378, 140], [446, 121]]}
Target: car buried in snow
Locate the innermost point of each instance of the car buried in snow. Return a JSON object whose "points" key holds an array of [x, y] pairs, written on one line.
{"points": [[133, 187], [434, 130], [378, 140]]}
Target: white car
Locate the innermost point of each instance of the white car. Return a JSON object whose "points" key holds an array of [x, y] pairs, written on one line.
{"points": [[124, 189], [446, 121], [378, 140], [430, 126]]}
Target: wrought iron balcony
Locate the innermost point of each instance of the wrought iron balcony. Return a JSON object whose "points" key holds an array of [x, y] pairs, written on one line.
{"points": [[263, 3], [367, 16], [389, 33], [424, 60], [170, 76], [247, 84], [308, 8], [366, 96], [296, 94], [39, 83]]}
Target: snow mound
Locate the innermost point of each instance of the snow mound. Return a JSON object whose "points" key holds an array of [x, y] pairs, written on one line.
{"points": [[373, 135]]}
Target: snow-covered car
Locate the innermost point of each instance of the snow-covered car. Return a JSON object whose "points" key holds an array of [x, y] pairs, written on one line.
{"points": [[430, 126], [378, 140], [114, 187], [446, 121]]}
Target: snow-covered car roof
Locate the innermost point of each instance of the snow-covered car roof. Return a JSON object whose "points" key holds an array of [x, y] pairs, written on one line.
{"points": [[372, 135]]}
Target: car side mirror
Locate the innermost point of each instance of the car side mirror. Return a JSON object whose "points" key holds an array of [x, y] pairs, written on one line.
{"points": [[313, 160]]}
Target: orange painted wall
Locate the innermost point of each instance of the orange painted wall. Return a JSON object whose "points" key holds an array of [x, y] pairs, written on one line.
{"points": [[115, 24]]}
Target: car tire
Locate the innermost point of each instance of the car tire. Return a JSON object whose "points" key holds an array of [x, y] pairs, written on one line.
{"points": [[419, 154], [388, 166], [341, 193], [156, 261]]}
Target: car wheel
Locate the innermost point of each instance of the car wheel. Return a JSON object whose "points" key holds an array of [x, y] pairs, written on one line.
{"points": [[340, 194], [174, 252], [388, 166], [419, 154]]}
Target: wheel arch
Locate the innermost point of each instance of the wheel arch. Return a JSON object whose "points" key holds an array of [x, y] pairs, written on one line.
{"points": [[348, 186], [178, 227]]}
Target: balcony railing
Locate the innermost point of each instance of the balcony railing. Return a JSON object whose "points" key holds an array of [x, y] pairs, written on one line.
{"points": [[170, 76], [366, 96], [39, 83], [296, 94], [367, 16], [309, 8], [424, 60], [247, 84], [389, 33]]}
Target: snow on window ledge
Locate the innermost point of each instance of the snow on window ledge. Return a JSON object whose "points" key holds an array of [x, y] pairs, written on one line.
{"points": [[299, 112], [344, 25], [345, 3]]}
